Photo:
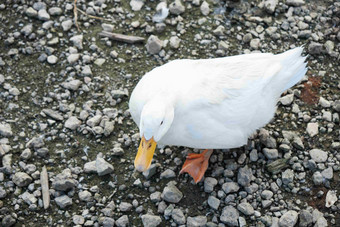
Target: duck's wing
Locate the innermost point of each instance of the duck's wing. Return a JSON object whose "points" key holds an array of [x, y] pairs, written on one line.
{"points": [[247, 75]]}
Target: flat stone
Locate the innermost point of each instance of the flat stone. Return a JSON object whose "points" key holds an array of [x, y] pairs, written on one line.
{"points": [[295, 2], [63, 201], [151, 220], [171, 194], [318, 155], [109, 222], [103, 167], [53, 114], [21, 179], [266, 194], [94, 121], [246, 208], [288, 219], [229, 216], [196, 221]]}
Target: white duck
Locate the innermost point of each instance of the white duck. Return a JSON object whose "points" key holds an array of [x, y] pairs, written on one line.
{"points": [[210, 104]]}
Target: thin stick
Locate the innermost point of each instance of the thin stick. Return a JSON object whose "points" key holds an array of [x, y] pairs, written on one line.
{"points": [[94, 17], [121, 37], [44, 187], [75, 14]]}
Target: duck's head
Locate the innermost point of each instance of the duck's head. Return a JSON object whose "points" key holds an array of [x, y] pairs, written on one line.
{"points": [[155, 121]]}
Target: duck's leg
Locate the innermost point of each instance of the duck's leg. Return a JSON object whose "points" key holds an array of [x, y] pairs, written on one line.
{"points": [[196, 165]]}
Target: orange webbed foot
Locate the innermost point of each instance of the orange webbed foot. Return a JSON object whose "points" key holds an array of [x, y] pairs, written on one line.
{"points": [[196, 165]]}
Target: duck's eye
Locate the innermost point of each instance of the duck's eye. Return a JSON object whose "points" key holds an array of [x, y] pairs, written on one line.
{"points": [[161, 122]]}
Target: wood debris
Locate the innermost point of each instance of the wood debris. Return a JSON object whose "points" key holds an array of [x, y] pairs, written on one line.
{"points": [[121, 37]]}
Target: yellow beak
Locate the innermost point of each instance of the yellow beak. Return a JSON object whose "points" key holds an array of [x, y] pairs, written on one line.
{"points": [[145, 153]]}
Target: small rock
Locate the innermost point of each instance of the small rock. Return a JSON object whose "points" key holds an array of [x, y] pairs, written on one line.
{"points": [[66, 25], [196, 221], [21, 179], [229, 216], [288, 219], [123, 221], [305, 218], [178, 216], [103, 167], [168, 173], [136, 5], [270, 5], [52, 59], [287, 176], [255, 43], [90, 167], [317, 178], [5, 130], [72, 123], [171, 194], [176, 7], [72, 85], [271, 153], [246, 208], [43, 15], [64, 181], [318, 155], [209, 184], [295, 2], [63, 201], [85, 196], [77, 41], [174, 42], [154, 45], [124, 206], [78, 220], [230, 187], [312, 129], [151, 220], [55, 11], [244, 176], [30, 12], [205, 8], [213, 202], [327, 173], [287, 99], [8, 221], [73, 58], [53, 114]]}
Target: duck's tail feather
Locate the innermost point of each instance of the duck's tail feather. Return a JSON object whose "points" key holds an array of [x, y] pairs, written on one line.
{"points": [[294, 67]]}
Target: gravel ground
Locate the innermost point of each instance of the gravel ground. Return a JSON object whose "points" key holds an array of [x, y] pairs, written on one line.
{"points": [[63, 104]]}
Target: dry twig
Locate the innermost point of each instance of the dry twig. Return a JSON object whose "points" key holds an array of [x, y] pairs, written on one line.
{"points": [[75, 13], [44, 187], [121, 37]]}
